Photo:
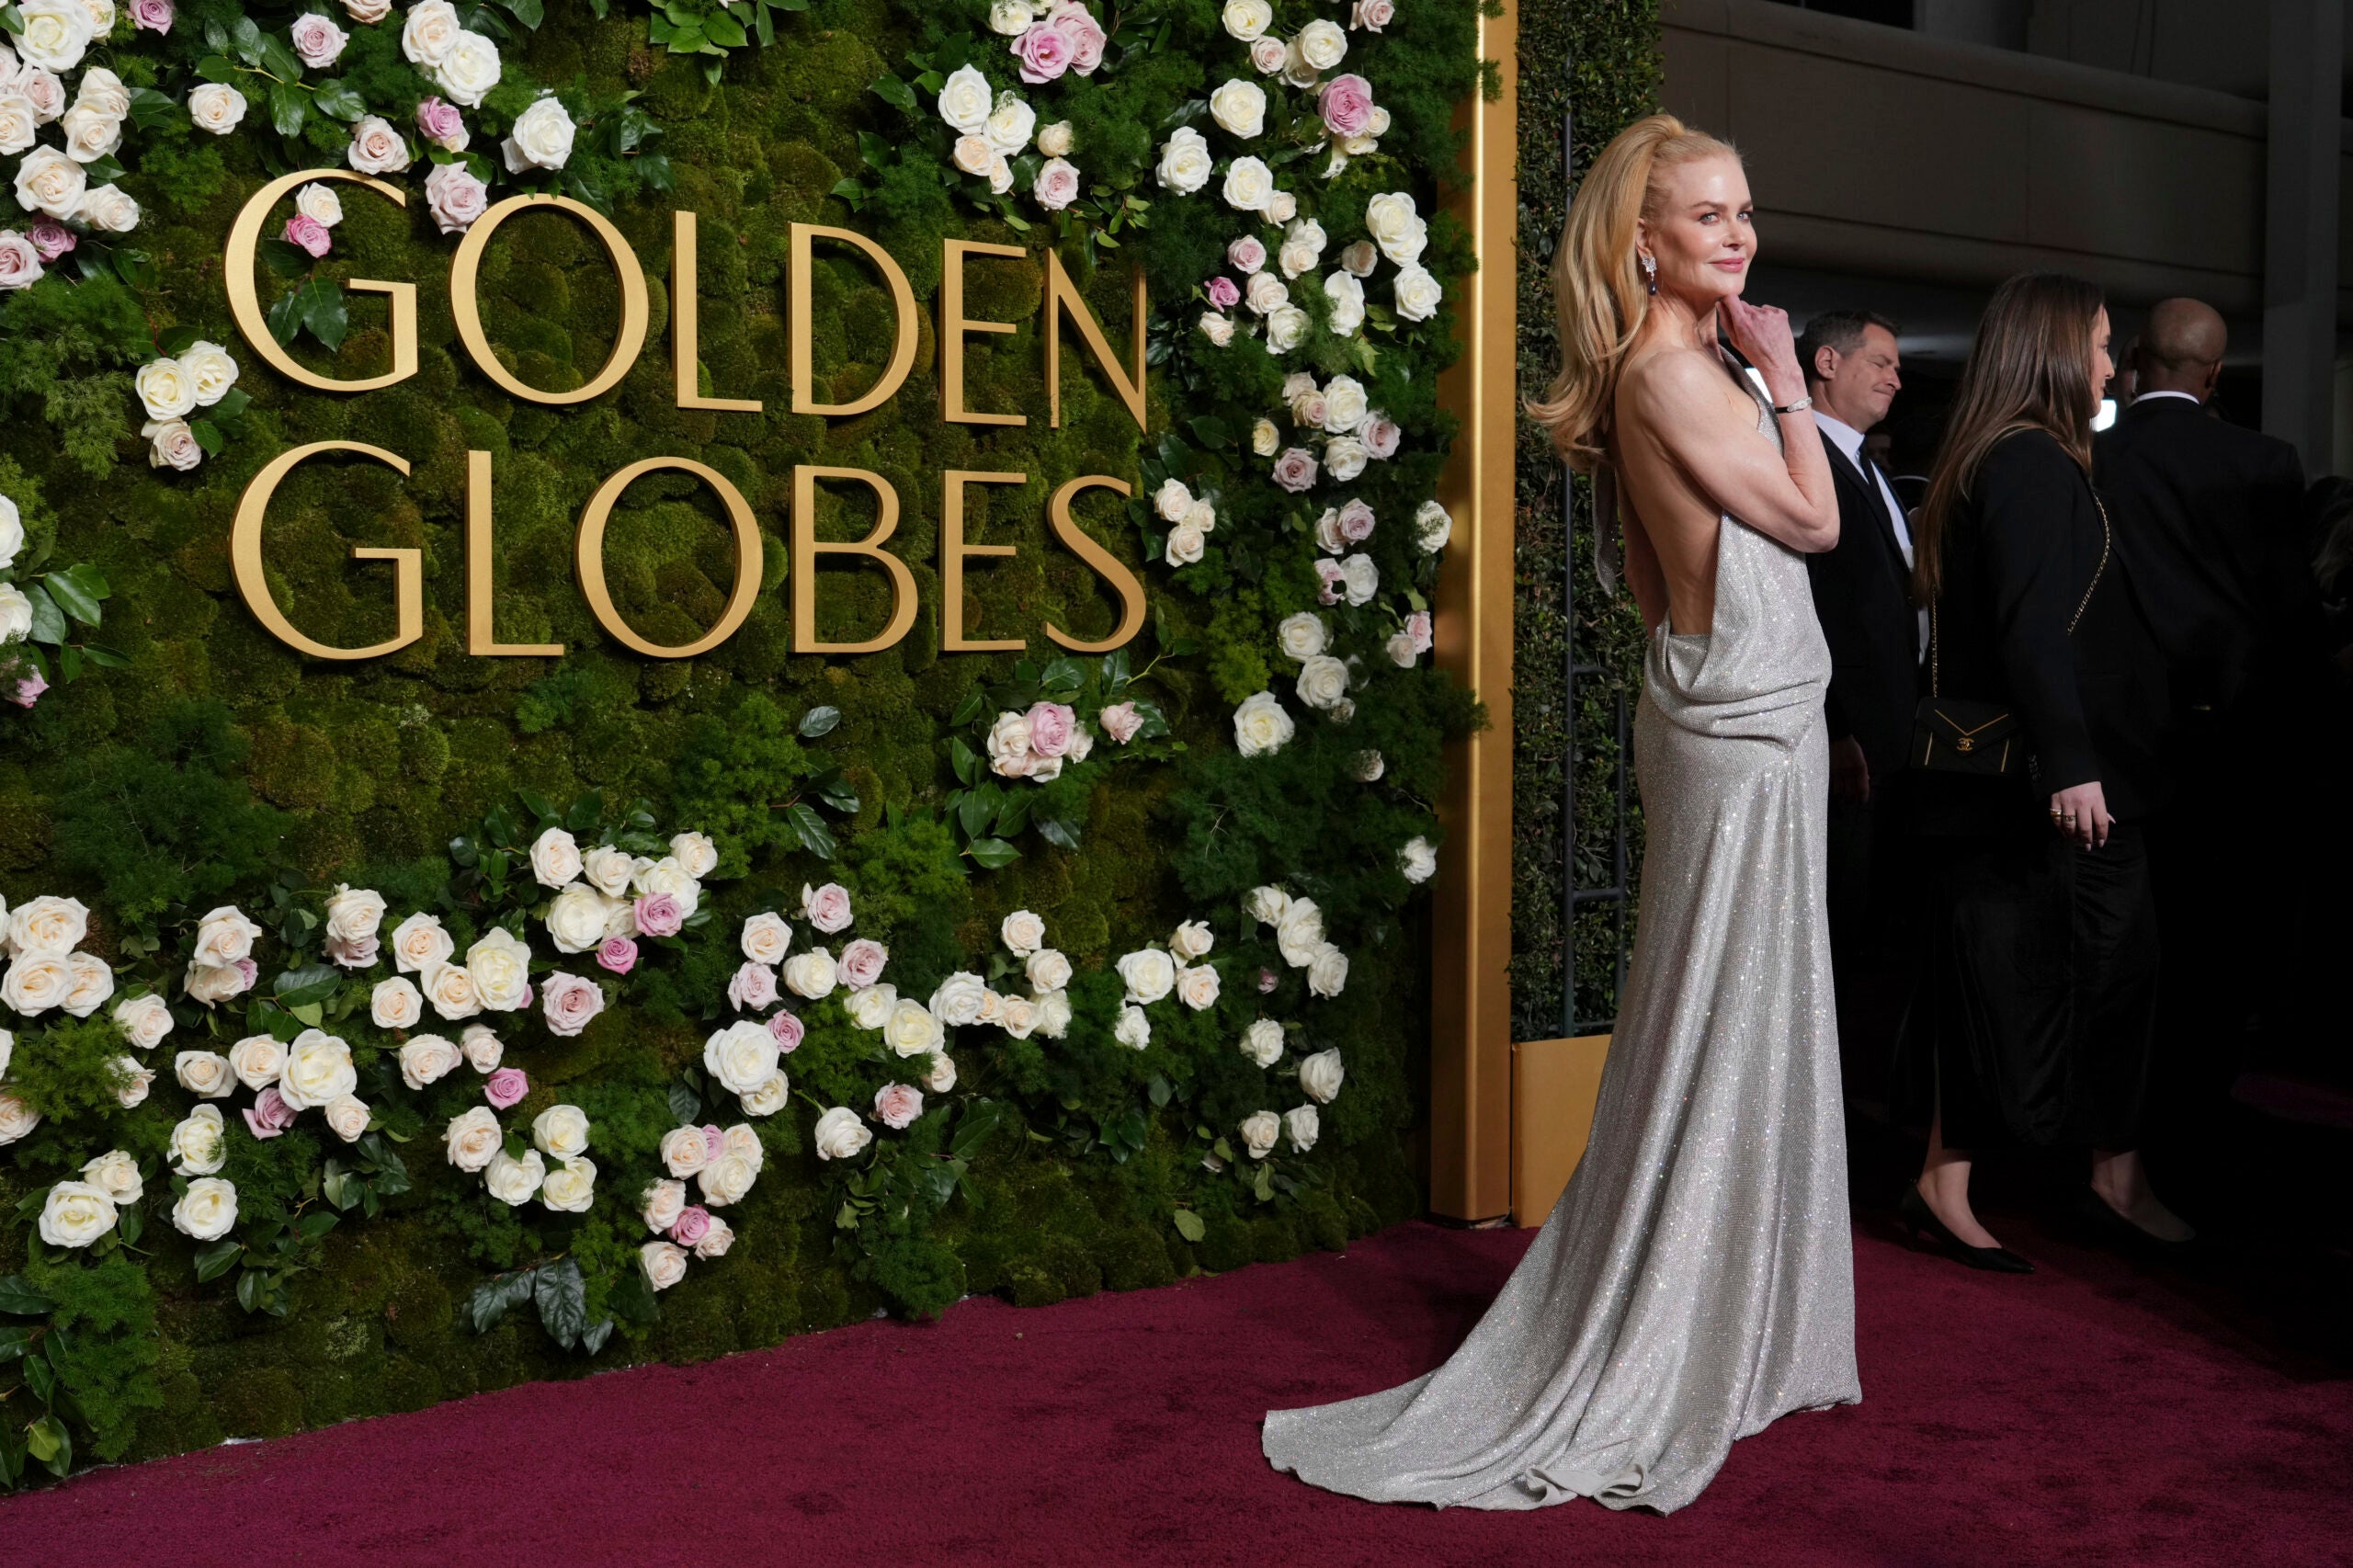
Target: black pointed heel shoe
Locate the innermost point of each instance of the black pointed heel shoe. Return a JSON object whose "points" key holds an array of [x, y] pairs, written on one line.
{"points": [[1921, 1221], [2093, 1210]]}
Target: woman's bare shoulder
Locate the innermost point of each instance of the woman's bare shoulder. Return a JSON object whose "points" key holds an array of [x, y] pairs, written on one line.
{"points": [[1670, 384]]}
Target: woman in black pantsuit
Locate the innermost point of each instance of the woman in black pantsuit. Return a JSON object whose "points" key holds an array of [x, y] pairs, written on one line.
{"points": [[2032, 1022]]}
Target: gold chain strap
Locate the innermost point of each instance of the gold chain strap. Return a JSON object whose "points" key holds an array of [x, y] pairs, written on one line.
{"points": [[2107, 544]]}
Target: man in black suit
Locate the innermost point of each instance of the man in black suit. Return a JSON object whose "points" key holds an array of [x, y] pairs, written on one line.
{"points": [[1862, 597], [2208, 516]]}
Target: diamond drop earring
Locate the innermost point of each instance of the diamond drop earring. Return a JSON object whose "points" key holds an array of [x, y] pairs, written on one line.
{"points": [[1650, 272]]}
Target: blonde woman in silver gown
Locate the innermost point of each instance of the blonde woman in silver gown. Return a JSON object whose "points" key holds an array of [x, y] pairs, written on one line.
{"points": [[1695, 1282]]}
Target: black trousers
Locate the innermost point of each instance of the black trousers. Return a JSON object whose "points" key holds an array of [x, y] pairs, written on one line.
{"points": [[2037, 1004], [1874, 893]]}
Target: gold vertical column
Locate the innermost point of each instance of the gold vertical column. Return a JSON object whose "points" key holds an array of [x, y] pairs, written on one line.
{"points": [[1471, 1016]]}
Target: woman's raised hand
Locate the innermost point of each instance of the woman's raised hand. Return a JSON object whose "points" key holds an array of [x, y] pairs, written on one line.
{"points": [[1762, 334]]}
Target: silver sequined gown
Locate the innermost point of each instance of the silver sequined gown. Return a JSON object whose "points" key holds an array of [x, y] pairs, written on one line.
{"points": [[1695, 1281]]}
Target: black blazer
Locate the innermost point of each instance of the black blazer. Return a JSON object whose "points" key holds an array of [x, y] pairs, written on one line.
{"points": [[2211, 517], [2019, 555], [1862, 597]]}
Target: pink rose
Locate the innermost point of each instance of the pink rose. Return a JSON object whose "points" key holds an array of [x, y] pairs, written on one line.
{"points": [[352, 953], [29, 688], [317, 41], [1056, 186], [1355, 522], [617, 954], [1371, 15], [1121, 722], [1267, 981], [1334, 581], [1380, 437], [1417, 627], [754, 986], [19, 261], [1247, 254], [826, 908], [155, 16], [569, 1002], [658, 914], [692, 1225], [896, 1105], [1224, 293], [1044, 52], [440, 123], [51, 239], [1346, 104], [1295, 469], [788, 1030], [861, 964], [305, 231], [269, 1115], [1077, 24], [1266, 54], [1049, 728], [506, 1088], [455, 196], [714, 1142], [247, 972]]}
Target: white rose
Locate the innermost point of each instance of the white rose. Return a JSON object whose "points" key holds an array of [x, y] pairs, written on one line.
{"points": [[90, 134], [1193, 938], [685, 1151], [474, 1137], [376, 148], [1185, 545], [455, 198], [765, 938], [367, 12], [1302, 635], [1265, 438], [144, 1021], [1260, 725], [1320, 1076], [1053, 1014], [571, 1188], [1054, 141], [469, 72], [1301, 1122], [1018, 1016], [1286, 328], [1249, 185], [317, 41], [36, 983], [16, 610], [75, 1214], [1240, 108], [48, 925], [1401, 650], [609, 870], [555, 858], [1266, 293], [1322, 43], [663, 1202], [1259, 1130], [1395, 227], [132, 1081], [53, 34], [16, 1118], [216, 106], [1184, 165], [1360, 258], [450, 989], [204, 1073], [1149, 972], [1196, 986], [318, 1068], [810, 975], [199, 1145], [1010, 18], [1346, 293], [1346, 406], [214, 983], [1023, 933], [542, 138], [207, 1210], [768, 1096], [1219, 330], [428, 1058], [1416, 293], [1262, 1042], [1247, 19], [166, 389], [664, 1263], [839, 1135], [728, 1179], [483, 1048], [1323, 682], [1267, 905], [1303, 248], [257, 1060], [514, 1181], [960, 998], [577, 917], [1298, 931], [741, 1056], [116, 1173], [1433, 525], [1418, 860], [419, 943], [353, 914], [667, 875], [1363, 577], [347, 1117], [1328, 970], [1010, 124], [941, 1076], [1268, 55], [1133, 1029], [872, 1008], [1172, 500], [500, 967], [395, 1004], [430, 32], [561, 1131], [1048, 969], [966, 101], [1367, 768]]}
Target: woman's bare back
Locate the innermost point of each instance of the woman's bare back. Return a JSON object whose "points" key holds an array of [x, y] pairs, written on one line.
{"points": [[1671, 399]]}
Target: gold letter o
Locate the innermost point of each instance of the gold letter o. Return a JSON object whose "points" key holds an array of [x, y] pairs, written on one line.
{"points": [[588, 557], [465, 274]]}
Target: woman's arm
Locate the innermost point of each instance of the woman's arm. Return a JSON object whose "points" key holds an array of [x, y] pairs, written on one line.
{"points": [[1682, 403], [2026, 494]]}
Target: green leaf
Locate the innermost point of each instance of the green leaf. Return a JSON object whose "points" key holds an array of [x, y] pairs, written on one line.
{"points": [[336, 99], [838, 793], [892, 91], [494, 1296], [152, 110], [725, 31], [1059, 834], [814, 835], [563, 1298], [315, 1225], [286, 316], [325, 315], [530, 13], [586, 812], [69, 662], [1189, 1226], [965, 759], [685, 1104], [1064, 674], [290, 107], [216, 68], [593, 1337], [14, 1341], [539, 805], [245, 37], [128, 1224], [49, 1443], [979, 1121], [106, 658], [993, 853], [207, 435], [49, 621], [40, 1377], [213, 1261], [820, 721], [20, 1299], [278, 57], [72, 592], [975, 703], [311, 982]]}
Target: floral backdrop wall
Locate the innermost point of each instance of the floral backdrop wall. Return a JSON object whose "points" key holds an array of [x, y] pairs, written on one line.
{"points": [[378, 1030]]}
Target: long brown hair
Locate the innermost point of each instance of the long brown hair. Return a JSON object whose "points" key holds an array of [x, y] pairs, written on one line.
{"points": [[1597, 282], [2029, 369]]}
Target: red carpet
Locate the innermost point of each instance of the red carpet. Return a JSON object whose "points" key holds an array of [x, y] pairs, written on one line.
{"points": [[2089, 1415]]}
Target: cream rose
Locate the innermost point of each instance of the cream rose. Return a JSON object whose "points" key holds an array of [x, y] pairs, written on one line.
{"points": [[428, 1058], [1396, 227], [450, 989], [376, 148], [1023, 933], [199, 1145], [204, 1073], [685, 1151], [1266, 293], [53, 34], [88, 984], [1010, 18], [1265, 438], [1286, 329], [1247, 19], [216, 106], [1047, 970], [1346, 293], [663, 1263], [500, 967], [144, 1021], [108, 209], [470, 71], [839, 1135], [741, 1057], [1196, 986], [913, 1029], [966, 101], [347, 1117], [75, 1214], [1303, 248], [727, 1178], [131, 1081], [555, 858], [768, 1096], [1184, 166], [1367, 768], [116, 1173], [430, 32], [257, 1060], [1262, 1042], [1345, 408], [165, 390], [610, 869], [571, 1188], [1302, 636], [1054, 141], [318, 1068], [419, 943], [871, 1008], [1328, 970], [512, 1181], [1010, 124], [472, 1139], [395, 1004], [48, 925], [90, 134], [542, 138], [1301, 1122], [662, 1204], [1240, 108], [1416, 293], [1433, 527], [1249, 185], [354, 916], [1191, 940], [1150, 974], [667, 875], [1260, 725], [16, 1118], [483, 1048], [960, 998], [1323, 682], [1132, 1030], [1260, 1129], [577, 918], [1361, 575], [1320, 1076], [810, 975], [1417, 859], [36, 983], [1298, 931], [207, 1210]]}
